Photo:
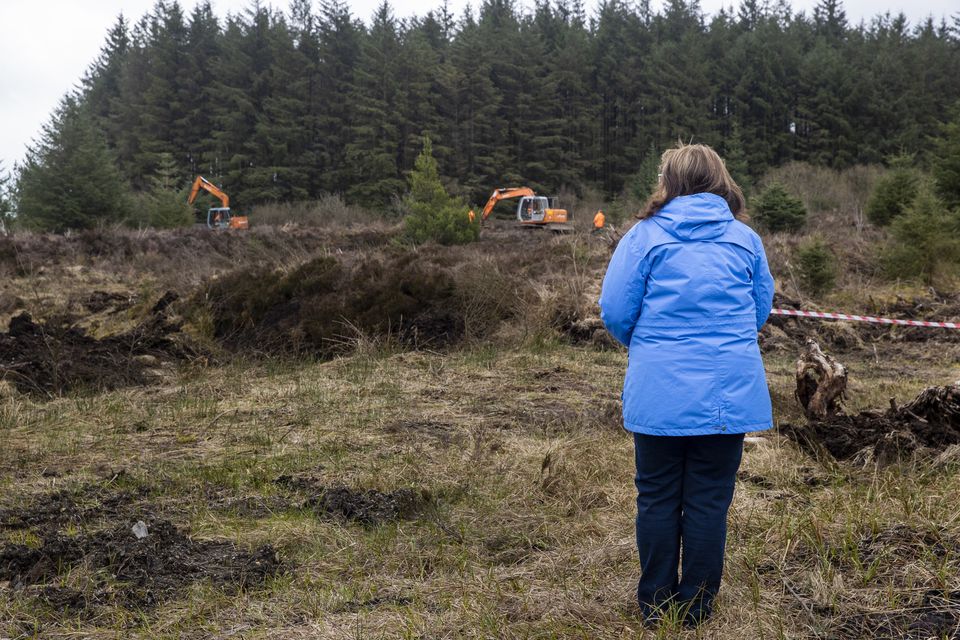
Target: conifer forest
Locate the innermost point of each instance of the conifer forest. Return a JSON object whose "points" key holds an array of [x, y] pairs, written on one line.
{"points": [[280, 105]]}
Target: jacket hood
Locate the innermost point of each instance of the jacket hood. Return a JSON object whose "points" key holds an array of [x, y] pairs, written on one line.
{"points": [[701, 216]]}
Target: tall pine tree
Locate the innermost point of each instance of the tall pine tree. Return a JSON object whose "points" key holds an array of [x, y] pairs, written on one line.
{"points": [[69, 179]]}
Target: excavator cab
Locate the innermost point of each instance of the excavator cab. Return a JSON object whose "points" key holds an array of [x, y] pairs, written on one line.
{"points": [[218, 217], [532, 209], [221, 218]]}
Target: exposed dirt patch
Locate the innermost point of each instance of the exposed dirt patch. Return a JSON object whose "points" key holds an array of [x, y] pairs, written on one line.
{"points": [[935, 615], [248, 506], [930, 421], [138, 572], [368, 507], [906, 543], [117, 566], [57, 509], [100, 301], [442, 433], [55, 356]]}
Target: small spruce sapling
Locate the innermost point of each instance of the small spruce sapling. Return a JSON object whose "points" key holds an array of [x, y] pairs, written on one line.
{"points": [[777, 210], [894, 192], [433, 214]]}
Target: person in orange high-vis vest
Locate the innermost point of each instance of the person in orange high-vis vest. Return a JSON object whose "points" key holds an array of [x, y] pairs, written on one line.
{"points": [[472, 216], [598, 221]]}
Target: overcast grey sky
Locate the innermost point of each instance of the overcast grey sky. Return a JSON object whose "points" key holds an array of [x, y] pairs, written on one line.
{"points": [[45, 45]]}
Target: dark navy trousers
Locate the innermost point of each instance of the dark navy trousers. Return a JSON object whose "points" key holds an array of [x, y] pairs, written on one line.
{"points": [[684, 489]]}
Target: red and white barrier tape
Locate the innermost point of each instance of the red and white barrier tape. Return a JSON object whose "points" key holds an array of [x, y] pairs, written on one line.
{"points": [[873, 319]]}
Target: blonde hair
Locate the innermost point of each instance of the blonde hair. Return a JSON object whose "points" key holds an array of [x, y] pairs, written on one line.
{"points": [[689, 169]]}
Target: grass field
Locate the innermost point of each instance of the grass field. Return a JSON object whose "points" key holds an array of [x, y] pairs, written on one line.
{"points": [[486, 493], [481, 490]]}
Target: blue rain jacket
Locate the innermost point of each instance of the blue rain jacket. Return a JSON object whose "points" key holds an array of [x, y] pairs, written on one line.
{"points": [[686, 291]]}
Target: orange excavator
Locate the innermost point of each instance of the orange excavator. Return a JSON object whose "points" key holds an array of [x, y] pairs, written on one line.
{"points": [[217, 217], [532, 210]]}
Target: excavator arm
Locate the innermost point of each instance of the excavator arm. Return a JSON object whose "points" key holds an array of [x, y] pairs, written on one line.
{"points": [[206, 185], [503, 194]]}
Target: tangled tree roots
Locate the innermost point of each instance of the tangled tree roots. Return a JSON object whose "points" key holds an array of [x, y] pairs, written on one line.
{"points": [[931, 421]]}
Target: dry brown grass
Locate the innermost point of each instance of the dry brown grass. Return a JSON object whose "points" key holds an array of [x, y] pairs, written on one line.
{"points": [[328, 211], [530, 533], [529, 530]]}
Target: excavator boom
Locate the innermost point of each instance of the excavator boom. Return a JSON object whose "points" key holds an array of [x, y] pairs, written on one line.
{"points": [[503, 194], [206, 185]]}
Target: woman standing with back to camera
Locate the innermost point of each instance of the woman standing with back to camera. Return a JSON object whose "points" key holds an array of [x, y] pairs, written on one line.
{"points": [[687, 290]]}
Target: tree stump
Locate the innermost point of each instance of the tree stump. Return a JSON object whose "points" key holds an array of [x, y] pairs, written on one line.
{"points": [[821, 383]]}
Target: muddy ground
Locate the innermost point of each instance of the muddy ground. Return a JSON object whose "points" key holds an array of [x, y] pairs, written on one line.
{"points": [[54, 356], [131, 571], [430, 298], [365, 291], [91, 530], [368, 507]]}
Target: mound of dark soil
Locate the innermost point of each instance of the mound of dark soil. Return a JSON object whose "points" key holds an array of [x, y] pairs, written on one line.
{"points": [[54, 356], [57, 509], [139, 572], [368, 507], [929, 421], [122, 567]]}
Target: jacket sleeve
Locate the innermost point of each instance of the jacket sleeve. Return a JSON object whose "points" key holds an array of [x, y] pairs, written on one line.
{"points": [[623, 288], [762, 286]]}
